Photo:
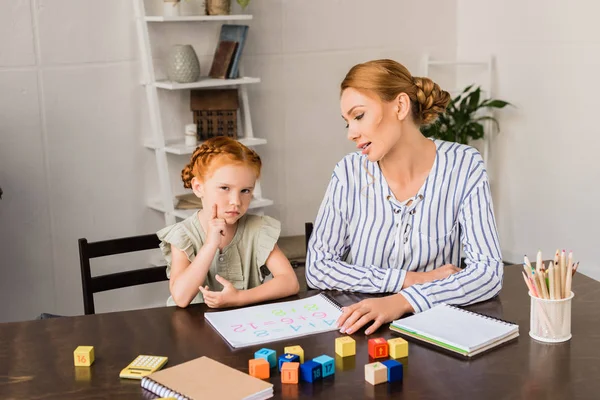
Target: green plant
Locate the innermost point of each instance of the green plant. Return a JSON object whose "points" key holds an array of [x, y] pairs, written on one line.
{"points": [[243, 3], [463, 120]]}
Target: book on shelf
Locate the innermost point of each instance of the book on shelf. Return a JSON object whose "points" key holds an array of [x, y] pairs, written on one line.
{"points": [[222, 59], [234, 33]]}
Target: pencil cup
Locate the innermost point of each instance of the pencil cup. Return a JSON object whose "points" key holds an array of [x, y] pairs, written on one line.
{"points": [[550, 320]]}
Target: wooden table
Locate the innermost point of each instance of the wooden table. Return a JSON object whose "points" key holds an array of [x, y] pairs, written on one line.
{"points": [[36, 357]]}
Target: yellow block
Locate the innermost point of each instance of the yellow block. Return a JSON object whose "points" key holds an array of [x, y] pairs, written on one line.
{"points": [[84, 356], [345, 346], [297, 350], [398, 348]]}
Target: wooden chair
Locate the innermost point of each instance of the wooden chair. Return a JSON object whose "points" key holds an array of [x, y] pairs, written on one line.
{"points": [[116, 280]]}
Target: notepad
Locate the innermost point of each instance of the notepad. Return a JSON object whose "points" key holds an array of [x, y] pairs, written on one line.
{"points": [[463, 332], [205, 378], [276, 321]]}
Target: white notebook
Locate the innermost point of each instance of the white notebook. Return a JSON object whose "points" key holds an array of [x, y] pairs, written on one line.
{"points": [[276, 321], [461, 331]]}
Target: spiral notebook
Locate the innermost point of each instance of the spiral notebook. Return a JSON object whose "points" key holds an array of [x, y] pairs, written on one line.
{"points": [[460, 331], [266, 323], [205, 378]]}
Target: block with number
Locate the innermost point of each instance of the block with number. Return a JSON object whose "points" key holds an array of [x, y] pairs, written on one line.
{"points": [[289, 372], [143, 365], [295, 350], [310, 371], [268, 355], [398, 348], [287, 357], [378, 348], [376, 373], [84, 356], [394, 370], [259, 368], [345, 346], [327, 365]]}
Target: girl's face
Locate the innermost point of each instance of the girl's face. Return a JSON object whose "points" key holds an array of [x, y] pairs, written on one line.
{"points": [[230, 187], [374, 125]]}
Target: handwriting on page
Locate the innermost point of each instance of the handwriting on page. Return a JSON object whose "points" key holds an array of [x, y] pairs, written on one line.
{"points": [[281, 320]]}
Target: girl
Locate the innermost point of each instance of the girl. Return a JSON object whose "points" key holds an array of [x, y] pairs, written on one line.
{"points": [[397, 211], [215, 256]]}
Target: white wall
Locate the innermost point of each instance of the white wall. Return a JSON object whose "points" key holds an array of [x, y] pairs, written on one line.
{"points": [[73, 117], [544, 160]]}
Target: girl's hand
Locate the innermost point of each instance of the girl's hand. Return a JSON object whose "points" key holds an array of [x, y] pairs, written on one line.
{"points": [[380, 310], [216, 228], [228, 297]]}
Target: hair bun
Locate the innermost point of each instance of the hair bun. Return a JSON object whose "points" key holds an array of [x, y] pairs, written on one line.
{"points": [[432, 100]]}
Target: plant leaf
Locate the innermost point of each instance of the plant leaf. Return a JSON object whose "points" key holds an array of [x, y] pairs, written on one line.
{"points": [[243, 3], [497, 103]]}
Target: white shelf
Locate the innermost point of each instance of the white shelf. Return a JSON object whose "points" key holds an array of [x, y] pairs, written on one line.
{"points": [[180, 148], [183, 214], [198, 18], [205, 82]]}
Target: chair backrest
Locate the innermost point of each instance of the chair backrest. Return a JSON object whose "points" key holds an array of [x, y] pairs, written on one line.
{"points": [[117, 280], [308, 228]]}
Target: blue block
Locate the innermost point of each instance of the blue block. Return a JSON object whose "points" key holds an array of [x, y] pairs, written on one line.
{"points": [[310, 371], [327, 365], [394, 369], [287, 357], [268, 355]]}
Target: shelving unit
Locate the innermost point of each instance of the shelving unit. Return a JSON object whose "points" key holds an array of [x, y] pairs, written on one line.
{"points": [[165, 202]]}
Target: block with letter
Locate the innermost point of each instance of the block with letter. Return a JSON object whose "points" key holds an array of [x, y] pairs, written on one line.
{"points": [[267, 354], [259, 368], [295, 350], [287, 357], [376, 373], [289, 372], [394, 370], [84, 356], [310, 371], [398, 348], [345, 346], [378, 348], [327, 365]]}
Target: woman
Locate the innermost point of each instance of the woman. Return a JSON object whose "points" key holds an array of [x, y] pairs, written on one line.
{"points": [[393, 212]]}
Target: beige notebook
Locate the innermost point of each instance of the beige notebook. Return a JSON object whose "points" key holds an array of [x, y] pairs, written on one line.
{"points": [[205, 378]]}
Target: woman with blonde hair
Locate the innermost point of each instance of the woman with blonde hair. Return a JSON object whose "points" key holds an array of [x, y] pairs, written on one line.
{"points": [[397, 211]]}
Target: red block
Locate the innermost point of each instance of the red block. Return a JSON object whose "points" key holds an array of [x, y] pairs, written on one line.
{"points": [[378, 348]]}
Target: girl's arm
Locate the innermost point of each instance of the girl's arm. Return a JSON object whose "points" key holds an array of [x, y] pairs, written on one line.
{"points": [[284, 283], [187, 276]]}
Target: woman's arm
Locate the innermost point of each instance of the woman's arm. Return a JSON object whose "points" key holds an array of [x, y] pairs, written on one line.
{"points": [[283, 284], [482, 278], [186, 277]]}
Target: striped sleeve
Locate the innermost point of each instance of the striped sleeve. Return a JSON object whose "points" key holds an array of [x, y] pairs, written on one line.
{"points": [[328, 245], [482, 278]]}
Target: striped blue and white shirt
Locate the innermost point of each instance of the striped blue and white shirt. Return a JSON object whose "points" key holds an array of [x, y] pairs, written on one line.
{"points": [[365, 240]]}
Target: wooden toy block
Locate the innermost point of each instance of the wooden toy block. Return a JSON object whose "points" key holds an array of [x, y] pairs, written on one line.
{"points": [[395, 370], [84, 356], [376, 373], [287, 357], [327, 365], [345, 346], [289, 372], [295, 350], [310, 371], [269, 355], [378, 348], [398, 348], [259, 368]]}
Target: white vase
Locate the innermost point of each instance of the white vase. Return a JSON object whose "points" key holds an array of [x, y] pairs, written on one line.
{"points": [[171, 8], [182, 64], [193, 7]]}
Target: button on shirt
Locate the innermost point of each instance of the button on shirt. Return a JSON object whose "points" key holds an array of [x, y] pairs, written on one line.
{"points": [[366, 240]]}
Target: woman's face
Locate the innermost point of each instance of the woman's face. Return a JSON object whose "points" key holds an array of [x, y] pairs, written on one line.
{"points": [[374, 125]]}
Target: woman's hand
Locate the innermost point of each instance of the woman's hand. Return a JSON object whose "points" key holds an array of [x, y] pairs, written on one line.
{"points": [[228, 297], [216, 228], [380, 310], [415, 278]]}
